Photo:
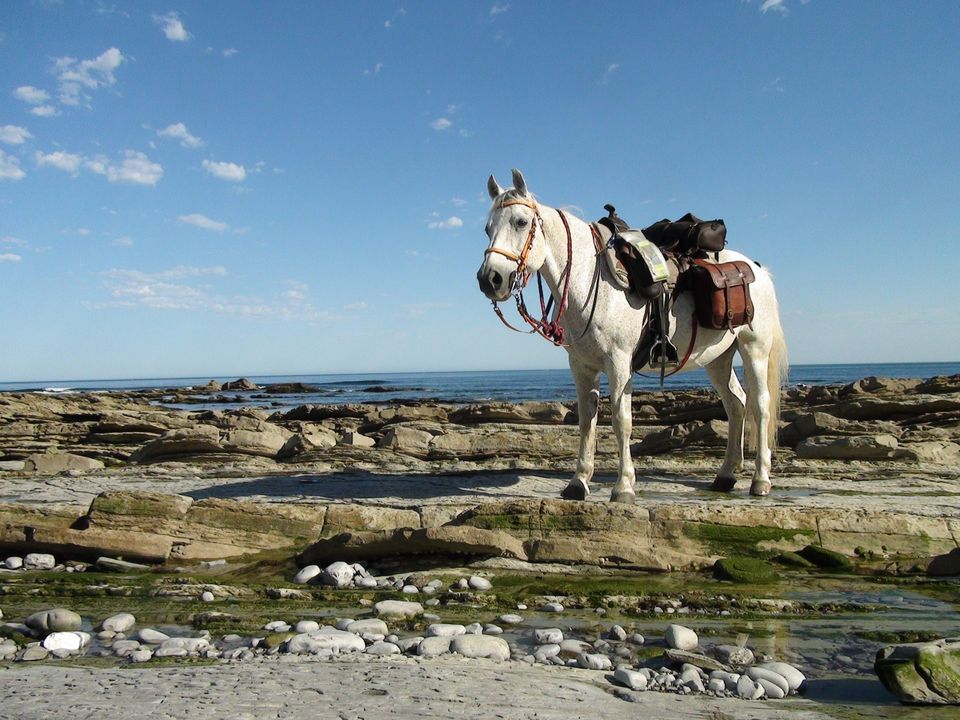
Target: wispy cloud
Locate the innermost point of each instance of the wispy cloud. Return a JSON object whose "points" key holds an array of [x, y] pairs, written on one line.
{"points": [[356, 306], [67, 162], [388, 23], [225, 170], [778, 6], [178, 131], [10, 240], [609, 72], [172, 27], [202, 221], [375, 70], [458, 202], [190, 289], [14, 134], [775, 85], [499, 8], [441, 124], [77, 78], [9, 257], [451, 222], [123, 241], [229, 52], [10, 168]]}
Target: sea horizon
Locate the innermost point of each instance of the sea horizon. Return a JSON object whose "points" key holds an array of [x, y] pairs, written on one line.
{"points": [[454, 386]]}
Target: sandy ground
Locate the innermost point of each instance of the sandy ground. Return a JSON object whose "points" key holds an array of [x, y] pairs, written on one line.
{"points": [[354, 688]]}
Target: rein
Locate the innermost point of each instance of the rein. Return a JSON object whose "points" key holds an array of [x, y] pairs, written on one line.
{"points": [[543, 326]]}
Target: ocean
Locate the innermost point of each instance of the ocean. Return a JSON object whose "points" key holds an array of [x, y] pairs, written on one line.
{"points": [[467, 387]]}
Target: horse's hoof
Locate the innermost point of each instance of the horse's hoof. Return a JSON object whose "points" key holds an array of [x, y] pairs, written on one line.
{"points": [[723, 484], [627, 496], [760, 488], [574, 491]]}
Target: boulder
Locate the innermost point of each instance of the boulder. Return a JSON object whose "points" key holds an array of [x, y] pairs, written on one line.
{"points": [[924, 673], [679, 637], [241, 384], [187, 441], [53, 461], [945, 565], [826, 559], [481, 646], [854, 447], [398, 608], [746, 570], [709, 433], [407, 441], [55, 620], [352, 438], [538, 413]]}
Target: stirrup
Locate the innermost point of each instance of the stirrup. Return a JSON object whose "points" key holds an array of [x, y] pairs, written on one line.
{"points": [[664, 353]]}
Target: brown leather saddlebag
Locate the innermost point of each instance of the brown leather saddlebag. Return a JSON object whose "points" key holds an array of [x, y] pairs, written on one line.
{"points": [[722, 293]]}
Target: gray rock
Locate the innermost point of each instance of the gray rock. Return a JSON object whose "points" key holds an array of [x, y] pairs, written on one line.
{"points": [[55, 620], [636, 639], [170, 652], [594, 661], [14, 562], [307, 574], [716, 685], [617, 633], [729, 679], [734, 655], [151, 636], [681, 638], [307, 626], [478, 583], [510, 619], [383, 648], [338, 574], [141, 656], [398, 608], [473, 629], [772, 690], [370, 626], [630, 678], [543, 636], [410, 590], [434, 645], [696, 659], [481, 646], [109, 564], [552, 607], [853, 447], [123, 648], [119, 623], [749, 689], [491, 629], [33, 652], [795, 679], [39, 561], [769, 676], [207, 596], [445, 630]]}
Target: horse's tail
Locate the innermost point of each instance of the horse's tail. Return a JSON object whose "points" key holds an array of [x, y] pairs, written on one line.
{"points": [[777, 369]]}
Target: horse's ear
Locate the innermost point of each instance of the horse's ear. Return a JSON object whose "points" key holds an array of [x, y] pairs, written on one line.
{"points": [[518, 182], [493, 187]]}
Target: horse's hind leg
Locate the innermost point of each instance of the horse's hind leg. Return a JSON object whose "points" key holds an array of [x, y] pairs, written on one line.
{"points": [[725, 381], [756, 355], [588, 404]]}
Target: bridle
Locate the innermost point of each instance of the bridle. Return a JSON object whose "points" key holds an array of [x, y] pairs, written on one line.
{"points": [[544, 327]]}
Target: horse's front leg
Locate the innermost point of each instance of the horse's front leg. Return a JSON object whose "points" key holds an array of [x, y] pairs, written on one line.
{"points": [[588, 404], [620, 380]]}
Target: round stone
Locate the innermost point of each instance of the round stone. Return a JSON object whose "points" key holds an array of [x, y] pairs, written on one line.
{"points": [[39, 561], [398, 608], [152, 637], [478, 583], [552, 607], [382, 648], [510, 619], [307, 626], [306, 574], [617, 633], [207, 596], [681, 638], [548, 636], [769, 676], [55, 620], [594, 661], [69, 641], [338, 574], [630, 678], [13, 562], [433, 646], [370, 626], [481, 646], [445, 630], [795, 679], [119, 623]]}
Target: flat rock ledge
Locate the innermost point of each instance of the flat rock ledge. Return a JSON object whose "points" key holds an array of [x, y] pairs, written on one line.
{"points": [[660, 536]]}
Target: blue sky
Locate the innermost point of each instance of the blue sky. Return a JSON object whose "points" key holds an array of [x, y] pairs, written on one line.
{"points": [[216, 188]]}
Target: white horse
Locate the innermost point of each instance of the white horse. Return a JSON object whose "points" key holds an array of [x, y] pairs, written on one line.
{"points": [[601, 326]]}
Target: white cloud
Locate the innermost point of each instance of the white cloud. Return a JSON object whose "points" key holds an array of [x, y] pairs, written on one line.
{"points": [[356, 306], [76, 77], [31, 95], [67, 162], [498, 8], [136, 169], [10, 240], [779, 6], [458, 202], [9, 257], [44, 111], [179, 131], [396, 16], [202, 221], [451, 222], [14, 134], [230, 52], [172, 27], [375, 71], [10, 168], [225, 170], [124, 241], [441, 123]]}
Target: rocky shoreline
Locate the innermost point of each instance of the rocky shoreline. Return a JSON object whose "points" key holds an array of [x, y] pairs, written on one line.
{"points": [[866, 481]]}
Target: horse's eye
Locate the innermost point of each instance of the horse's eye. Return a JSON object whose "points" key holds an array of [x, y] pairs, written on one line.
{"points": [[521, 223]]}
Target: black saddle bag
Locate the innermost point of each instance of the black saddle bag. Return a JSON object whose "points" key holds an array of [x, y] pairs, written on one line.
{"points": [[688, 235]]}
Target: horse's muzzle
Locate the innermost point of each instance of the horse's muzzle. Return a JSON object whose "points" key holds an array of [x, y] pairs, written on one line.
{"points": [[493, 284]]}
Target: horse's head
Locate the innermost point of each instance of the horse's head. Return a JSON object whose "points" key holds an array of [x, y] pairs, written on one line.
{"points": [[513, 226]]}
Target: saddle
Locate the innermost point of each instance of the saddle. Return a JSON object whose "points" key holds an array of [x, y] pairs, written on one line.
{"points": [[667, 258]]}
